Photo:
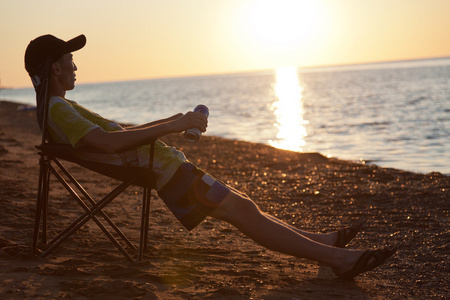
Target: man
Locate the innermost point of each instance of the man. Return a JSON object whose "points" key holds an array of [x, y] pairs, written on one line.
{"points": [[189, 193]]}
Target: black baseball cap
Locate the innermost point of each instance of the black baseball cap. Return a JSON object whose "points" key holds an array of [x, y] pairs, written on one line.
{"points": [[49, 47]]}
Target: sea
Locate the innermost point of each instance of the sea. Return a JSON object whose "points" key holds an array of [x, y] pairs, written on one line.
{"points": [[392, 114]]}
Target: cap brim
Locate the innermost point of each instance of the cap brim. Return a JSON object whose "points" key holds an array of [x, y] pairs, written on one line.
{"points": [[75, 44]]}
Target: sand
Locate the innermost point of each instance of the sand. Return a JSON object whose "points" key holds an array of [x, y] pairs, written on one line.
{"points": [[215, 261]]}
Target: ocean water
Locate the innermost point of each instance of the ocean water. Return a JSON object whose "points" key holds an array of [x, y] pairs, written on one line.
{"points": [[394, 114]]}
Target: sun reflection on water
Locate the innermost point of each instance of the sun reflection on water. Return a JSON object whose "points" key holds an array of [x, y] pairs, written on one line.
{"points": [[288, 111]]}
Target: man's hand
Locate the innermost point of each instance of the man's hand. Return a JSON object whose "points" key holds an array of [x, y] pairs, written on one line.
{"points": [[189, 120]]}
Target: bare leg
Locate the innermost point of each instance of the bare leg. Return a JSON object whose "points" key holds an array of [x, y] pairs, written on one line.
{"points": [[275, 235], [323, 238]]}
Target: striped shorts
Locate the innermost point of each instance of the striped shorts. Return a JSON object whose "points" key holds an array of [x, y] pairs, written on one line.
{"points": [[191, 195]]}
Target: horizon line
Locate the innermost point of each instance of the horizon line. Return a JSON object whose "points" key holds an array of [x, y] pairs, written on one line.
{"points": [[311, 67]]}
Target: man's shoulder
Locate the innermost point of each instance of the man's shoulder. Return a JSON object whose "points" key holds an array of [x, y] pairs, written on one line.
{"points": [[58, 99], [59, 105], [61, 102]]}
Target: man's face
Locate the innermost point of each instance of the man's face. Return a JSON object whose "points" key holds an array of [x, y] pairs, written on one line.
{"points": [[67, 71]]}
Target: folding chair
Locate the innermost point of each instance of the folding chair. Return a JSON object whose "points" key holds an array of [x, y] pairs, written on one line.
{"points": [[52, 154]]}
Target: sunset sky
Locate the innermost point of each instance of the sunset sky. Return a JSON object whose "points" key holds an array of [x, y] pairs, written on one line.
{"points": [[169, 38]]}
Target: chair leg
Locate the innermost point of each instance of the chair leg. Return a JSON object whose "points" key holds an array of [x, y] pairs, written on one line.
{"points": [[144, 222], [147, 218], [46, 169], [45, 203], [39, 202], [91, 200], [89, 214]]}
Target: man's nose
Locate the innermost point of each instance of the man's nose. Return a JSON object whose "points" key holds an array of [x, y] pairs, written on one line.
{"points": [[75, 67]]}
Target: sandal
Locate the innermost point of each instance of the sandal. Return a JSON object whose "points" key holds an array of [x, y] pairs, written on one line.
{"points": [[345, 235], [369, 260]]}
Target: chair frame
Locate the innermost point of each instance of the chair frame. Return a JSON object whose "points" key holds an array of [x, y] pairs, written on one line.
{"points": [[52, 154]]}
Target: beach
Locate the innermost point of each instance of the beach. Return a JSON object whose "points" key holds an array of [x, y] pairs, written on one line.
{"points": [[215, 261]]}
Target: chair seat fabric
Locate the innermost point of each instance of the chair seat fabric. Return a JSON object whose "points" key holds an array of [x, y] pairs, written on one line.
{"points": [[68, 153]]}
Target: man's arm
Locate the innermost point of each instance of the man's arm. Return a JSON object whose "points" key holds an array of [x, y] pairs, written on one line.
{"points": [[172, 118], [117, 141]]}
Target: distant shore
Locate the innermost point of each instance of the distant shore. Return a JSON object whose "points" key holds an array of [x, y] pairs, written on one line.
{"points": [[307, 190]]}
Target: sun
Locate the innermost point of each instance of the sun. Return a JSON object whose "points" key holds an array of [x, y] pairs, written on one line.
{"points": [[285, 24]]}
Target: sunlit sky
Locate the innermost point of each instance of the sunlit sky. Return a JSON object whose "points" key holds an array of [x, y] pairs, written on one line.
{"points": [[131, 39]]}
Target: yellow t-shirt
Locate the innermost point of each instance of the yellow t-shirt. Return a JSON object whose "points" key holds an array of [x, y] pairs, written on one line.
{"points": [[69, 122]]}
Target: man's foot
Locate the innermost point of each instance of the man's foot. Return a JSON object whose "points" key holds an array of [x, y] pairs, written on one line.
{"points": [[345, 235], [369, 260]]}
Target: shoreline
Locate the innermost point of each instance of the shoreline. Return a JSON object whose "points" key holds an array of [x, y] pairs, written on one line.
{"points": [[374, 161], [308, 190]]}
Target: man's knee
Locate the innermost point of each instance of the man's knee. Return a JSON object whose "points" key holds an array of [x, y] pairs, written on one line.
{"points": [[235, 207]]}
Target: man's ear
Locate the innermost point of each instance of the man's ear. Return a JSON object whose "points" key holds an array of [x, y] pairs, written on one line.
{"points": [[56, 68]]}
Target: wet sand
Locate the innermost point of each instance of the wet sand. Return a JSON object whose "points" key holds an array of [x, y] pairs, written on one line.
{"points": [[215, 261]]}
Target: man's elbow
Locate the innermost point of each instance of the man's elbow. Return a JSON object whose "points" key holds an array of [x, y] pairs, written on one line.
{"points": [[102, 147], [109, 146], [102, 141], [109, 149]]}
